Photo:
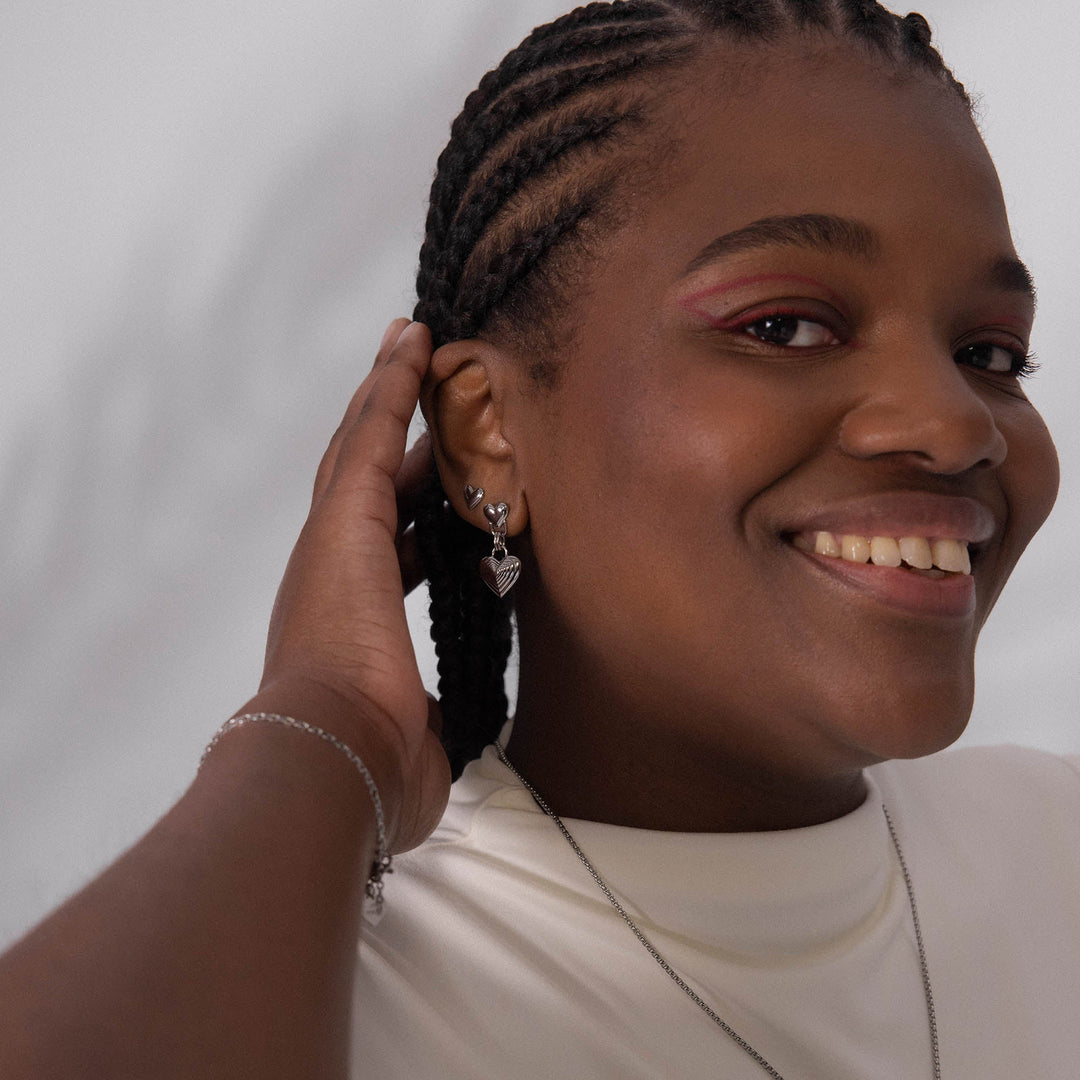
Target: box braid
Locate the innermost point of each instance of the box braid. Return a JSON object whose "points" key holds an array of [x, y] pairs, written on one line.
{"points": [[528, 171]]}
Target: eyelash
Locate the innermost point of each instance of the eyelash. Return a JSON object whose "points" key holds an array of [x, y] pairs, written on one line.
{"points": [[1023, 364], [1023, 361], [744, 323]]}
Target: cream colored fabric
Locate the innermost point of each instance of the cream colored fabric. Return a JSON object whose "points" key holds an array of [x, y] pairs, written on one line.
{"points": [[499, 958]]}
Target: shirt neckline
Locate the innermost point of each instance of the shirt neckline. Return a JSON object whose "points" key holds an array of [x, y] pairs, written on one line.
{"points": [[759, 896]]}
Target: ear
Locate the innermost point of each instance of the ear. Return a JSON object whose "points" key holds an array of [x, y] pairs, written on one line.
{"points": [[462, 400]]}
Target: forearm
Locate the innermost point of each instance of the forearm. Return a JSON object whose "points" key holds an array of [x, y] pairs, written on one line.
{"points": [[223, 943]]}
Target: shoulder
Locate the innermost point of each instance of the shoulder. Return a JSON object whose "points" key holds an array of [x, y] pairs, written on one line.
{"points": [[1009, 796], [485, 797], [976, 771], [490, 824]]}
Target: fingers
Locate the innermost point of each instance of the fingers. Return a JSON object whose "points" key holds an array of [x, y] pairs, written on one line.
{"points": [[416, 470], [326, 466], [413, 476], [374, 446], [391, 337], [367, 452]]}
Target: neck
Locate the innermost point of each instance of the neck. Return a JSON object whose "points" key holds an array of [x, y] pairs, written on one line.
{"points": [[609, 746], [609, 776]]}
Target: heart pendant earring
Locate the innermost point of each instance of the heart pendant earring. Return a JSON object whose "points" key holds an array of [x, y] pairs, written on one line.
{"points": [[474, 496], [499, 570]]}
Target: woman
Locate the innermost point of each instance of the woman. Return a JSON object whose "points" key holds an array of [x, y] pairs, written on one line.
{"points": [[729, 319]]}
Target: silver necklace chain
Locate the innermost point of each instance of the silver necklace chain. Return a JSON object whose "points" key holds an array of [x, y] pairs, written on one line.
{"points": [[652, 950]]}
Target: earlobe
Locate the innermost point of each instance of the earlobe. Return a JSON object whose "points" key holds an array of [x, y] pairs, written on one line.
{"points": [[462, 401]]}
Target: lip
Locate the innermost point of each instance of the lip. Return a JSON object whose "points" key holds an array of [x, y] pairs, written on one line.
{"points": [[901, 513], [897, 514], [951, 597]]}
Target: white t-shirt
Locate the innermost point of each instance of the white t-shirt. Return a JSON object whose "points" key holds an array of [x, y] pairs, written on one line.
{"points": [[498, 957]]}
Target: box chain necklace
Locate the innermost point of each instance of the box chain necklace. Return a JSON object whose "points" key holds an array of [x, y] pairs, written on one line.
{"points": [[651, 949]]}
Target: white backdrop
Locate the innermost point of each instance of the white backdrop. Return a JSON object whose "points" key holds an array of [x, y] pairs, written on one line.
{"points": [[208, 213]]}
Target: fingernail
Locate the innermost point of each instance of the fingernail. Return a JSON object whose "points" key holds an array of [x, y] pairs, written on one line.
{"points": [[389, 336], [412, 330]]}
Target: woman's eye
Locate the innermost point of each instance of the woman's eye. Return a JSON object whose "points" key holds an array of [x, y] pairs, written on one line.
{"points": [[996, 358], [791, 330]]}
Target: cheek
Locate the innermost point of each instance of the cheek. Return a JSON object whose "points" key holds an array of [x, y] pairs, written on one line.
{"points": [[666, 447], [1030, 476], [673, 464], [705, 445], [1029, 481]]}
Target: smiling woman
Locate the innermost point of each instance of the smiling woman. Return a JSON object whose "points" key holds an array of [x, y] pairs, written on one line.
{"points": [[804, 336], [723, 365]]}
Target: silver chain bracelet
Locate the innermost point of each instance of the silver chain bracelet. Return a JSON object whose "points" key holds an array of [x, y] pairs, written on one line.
{"points": [[381, 864]]}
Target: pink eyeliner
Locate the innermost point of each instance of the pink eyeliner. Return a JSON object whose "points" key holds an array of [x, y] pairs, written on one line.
{"points": [[691, 303]]}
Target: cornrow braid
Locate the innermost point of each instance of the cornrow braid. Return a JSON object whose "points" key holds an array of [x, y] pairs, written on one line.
{"points": [[917, 29], [583, 34], [906, 39], [871, 22], [555, 43], [744, 18], [529, 170], [473, 219], [809, 12], [506, 272], [521, 128], [493, 126]]}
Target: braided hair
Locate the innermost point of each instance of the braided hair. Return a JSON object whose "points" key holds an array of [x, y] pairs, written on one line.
{"points": [[527, 178]]}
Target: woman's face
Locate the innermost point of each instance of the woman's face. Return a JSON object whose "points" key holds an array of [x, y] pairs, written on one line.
{"points": [[733, 389]]}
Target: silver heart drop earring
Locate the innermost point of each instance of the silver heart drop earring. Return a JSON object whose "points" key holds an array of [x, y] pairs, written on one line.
{"points": [[499, 570]]}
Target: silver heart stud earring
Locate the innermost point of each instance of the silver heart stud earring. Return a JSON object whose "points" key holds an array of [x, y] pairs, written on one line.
{"points": [[473, 496], [499, 570]]}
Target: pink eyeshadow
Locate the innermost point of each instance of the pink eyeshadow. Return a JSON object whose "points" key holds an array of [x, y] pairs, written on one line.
{"points": [[690, 303]]}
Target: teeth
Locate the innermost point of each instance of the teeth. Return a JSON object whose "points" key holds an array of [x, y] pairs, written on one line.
{"points": [[951, 555], [884, 551], [825, 544], [917, 552], [855, 549]]}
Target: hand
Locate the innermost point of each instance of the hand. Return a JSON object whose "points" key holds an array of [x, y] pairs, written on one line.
{"points": [[338, 626], [239, 907]]}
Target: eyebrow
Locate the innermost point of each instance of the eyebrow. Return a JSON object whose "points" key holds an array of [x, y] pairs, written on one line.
{"points": [[1009, 274], [820, 232], [829, 233]]}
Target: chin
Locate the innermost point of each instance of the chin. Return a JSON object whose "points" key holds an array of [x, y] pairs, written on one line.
{"points": [[925, 719]]}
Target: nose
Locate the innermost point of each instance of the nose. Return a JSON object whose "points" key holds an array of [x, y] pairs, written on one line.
{"points": [[919, 404]]}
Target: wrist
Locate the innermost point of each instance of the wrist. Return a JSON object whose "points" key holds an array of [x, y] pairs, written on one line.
{"points": [[367, 734]]}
